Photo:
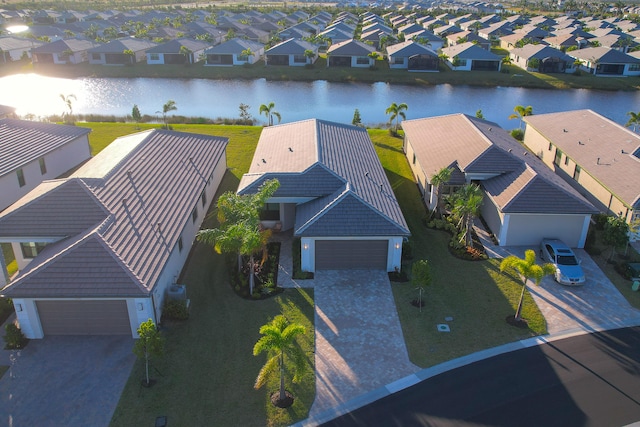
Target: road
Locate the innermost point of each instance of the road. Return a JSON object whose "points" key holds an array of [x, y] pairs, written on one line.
{"points": [[588, 380]]}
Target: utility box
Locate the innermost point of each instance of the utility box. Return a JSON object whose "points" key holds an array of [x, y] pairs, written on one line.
{"points": [[177, 292]]}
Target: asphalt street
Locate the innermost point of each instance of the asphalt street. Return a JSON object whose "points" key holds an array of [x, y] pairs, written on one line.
{"points": [[587, 380]]}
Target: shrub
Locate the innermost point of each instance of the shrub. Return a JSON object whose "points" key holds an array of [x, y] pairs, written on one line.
{"points": [[622, 268], [14, 338], [600, 220], [175, 310], [518, 134], [407, 250]]}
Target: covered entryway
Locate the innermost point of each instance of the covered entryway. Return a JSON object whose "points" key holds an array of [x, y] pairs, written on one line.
{"points": [[351, 254], [84, 317]]}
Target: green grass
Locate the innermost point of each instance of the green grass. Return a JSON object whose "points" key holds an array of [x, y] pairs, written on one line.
{"points": [[474, 293], [9, 258], [3, 369], [516, 77]]}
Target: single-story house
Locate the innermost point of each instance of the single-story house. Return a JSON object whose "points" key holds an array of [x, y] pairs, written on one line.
{"points": [[597, 156], [428, 38], [412, 56], [14, 48], [350, 53], [541, 58], [99, 251], [470, 57], [115, 52], [603, 61], [31, 152], [524, 201], [291, 52], [180, 51], [566, 41], [336, 35], [234, 52], [468, 36], [69, 51], [333, 194]]}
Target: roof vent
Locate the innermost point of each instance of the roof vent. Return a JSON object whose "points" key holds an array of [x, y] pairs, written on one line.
{"points": [[524, 154], [264, 161], [622, 151], [598, 161], [564, 130], [490, 129], [510, 150], [580, 143], [129, 172], [291, 149]]}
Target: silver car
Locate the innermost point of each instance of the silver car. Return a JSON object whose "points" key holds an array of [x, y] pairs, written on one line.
{"points": [[568, 270]]}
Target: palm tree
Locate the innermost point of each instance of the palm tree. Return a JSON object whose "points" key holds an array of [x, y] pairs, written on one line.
{"points": [[247, 53], [527, 269], [465, 204], [269, 112], [309, 54], [279, 340], [634, 120], [170, 105], [395, 111], [69, 104], [186, 52], [437, 180], [521, 112]]}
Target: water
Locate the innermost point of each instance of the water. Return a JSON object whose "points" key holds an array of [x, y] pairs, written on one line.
{"points": [[39, 95]]}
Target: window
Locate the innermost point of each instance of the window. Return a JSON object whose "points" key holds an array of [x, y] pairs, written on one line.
{"points": [[299, 59], [194, 214], [634, 67], [414, 158], [21, 180], [180, 244], [31, 249], [362, 60], [566, 160], [154, 56], [399, 61], [203, 197], [576, 173], [95, 56], [550, 146], [270, 212], [558, 158], [43, 166]]}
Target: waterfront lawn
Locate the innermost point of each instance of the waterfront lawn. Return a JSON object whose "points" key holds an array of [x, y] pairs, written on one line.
{"points": [[474, 293], [513, 76]]}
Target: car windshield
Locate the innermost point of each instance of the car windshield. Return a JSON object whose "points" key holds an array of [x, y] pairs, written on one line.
{"points": [[567, 260]]}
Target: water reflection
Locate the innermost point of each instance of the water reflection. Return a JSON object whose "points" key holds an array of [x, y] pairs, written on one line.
{"points": [[38, 95]]}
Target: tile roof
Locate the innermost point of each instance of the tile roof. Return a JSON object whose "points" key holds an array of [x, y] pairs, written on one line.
{"points": [[174, 46], [350, 48], [59, 46], [603, 55], [514, 177], [144, 186], [602, 148], [292, 47], [409, 48], [236, 45], [540, 51], [23, 141], [120, 45], [470, 50], [337, 164]]}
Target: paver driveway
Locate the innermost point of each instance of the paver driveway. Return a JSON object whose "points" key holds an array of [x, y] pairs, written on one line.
{"points": [[65, 381]]}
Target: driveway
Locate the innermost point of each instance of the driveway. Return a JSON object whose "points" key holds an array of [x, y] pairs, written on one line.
{"points": [[65, 381]]}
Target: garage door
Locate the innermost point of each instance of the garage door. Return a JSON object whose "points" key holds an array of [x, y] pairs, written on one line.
{"points": [[84, 317], [351, 254]]}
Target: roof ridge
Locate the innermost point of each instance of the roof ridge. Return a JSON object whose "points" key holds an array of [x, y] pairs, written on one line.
{"points": [[377, 211], [524, 187], [325, 209]]}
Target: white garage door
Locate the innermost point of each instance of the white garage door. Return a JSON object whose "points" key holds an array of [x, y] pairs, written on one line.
{"points": [[89, 317], [351, 254]]}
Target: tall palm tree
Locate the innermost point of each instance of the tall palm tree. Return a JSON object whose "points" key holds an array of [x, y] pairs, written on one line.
{"points": [[395, 111], [279, 341], [465, 205], [437, 180], [634, 120], [521, 112], [170, 105], [269, 111], [527, 269]]}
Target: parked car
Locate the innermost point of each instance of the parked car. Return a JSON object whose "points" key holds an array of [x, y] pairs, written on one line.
{"points": [[568, 270]]}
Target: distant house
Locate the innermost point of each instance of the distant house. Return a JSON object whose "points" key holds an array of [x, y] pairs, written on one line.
{"points": [[31, 152], [181, 51], [541, 58], [115, 52], [412, 56], [468, 36], [99, 251], [427, 37], [566, 41], [333, 195], [603, 61], [595, 155], [524, 200], [69, 51], [291, 52], [350, 53], [234, 52], [470, 57], [14, 48]]}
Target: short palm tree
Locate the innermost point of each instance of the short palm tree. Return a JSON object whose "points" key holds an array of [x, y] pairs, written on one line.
{"points": [[279, 341], [170, 105], [68, 101], [521, 112], [269, 111], [465, 205], [527, 269], [395, 111], [634, 120], [437, 180]]}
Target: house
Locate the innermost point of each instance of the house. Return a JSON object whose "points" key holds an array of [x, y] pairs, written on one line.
{"points": [[234, 52], [524, 200], [541, 58], [471, 57], [333, 195], [99, 250], [15, 48], [292, 52], [603, 61], [124, 51], [31, 152], [412, 56], [468, 36], [597, 156], [350, 53], [564, 42], [180, 51], [69, 51]]}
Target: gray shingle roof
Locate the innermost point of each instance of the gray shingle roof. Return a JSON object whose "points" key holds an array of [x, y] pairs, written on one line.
{"points": [[59, 46], [470, 50], [603, 55], [350, 48], [340, 162], [235, 46], [120, 45], [174, 46], [409, 48], [148, 183], [291, 47], [23, 141]]}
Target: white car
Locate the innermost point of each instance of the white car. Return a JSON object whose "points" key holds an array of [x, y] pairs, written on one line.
{"points": [[568, 270]]}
